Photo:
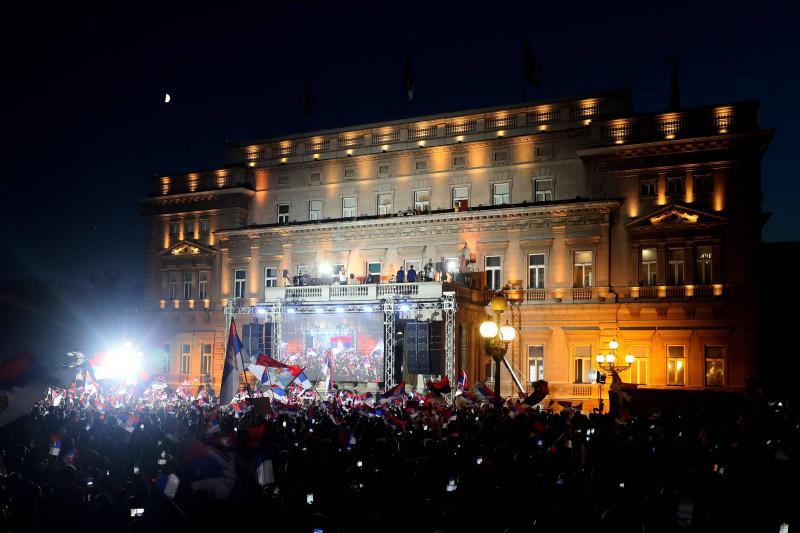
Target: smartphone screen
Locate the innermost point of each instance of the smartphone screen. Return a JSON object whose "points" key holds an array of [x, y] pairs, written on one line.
{"points": [[309, 498]]}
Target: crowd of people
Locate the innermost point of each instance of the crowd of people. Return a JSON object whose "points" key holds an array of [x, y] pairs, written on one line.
{"points": [[347, 463]]}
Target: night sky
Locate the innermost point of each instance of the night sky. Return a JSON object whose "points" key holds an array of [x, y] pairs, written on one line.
{"points": [[84, 122]]}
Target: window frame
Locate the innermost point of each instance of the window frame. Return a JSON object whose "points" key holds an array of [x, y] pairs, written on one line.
{"points": [[544, 194], [496, 279], [239, 283], [535, 363], [460, 197], [576, 267], [500, 198], [270, 277], [386, 211], [186, 358], [166, 351], [649, 267], [704, 271], [315, 210], [676, 377], [283, 209], [539, 269], [719, 381], [206, 358], [202, 284], [187, 285], [422, 205], [581, 375], [676, 268], [349, 209]]}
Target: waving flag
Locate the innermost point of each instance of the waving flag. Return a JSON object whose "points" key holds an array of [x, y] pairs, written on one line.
{"points": [[265, 360], [484, 393], [211, 466], [232, 368], [301, 377], [540, 391], [168, 484], [265, 474], [22, 383], [55, 444], [462, 380], [394, 393], [341, 344], [440, 388]]}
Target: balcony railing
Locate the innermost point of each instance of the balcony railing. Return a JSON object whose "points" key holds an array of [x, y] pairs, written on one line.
{"points": [[356, 292]]}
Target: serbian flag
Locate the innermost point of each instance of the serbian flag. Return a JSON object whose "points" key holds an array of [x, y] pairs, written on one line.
{"points": [[55, 444], [213, 425], [300, 377], [484, 393], [468, 397], [168, 484], [462, 380], [22, 383], [211, 466], [392, 421], [128, 422], [342, 342], [394, 393], [265, 475], [440, 388], [233, 366], [264, 360], [540, 391], [91, 384]]}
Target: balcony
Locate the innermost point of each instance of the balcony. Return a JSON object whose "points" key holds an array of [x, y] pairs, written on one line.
{"points": [[372, 292]]}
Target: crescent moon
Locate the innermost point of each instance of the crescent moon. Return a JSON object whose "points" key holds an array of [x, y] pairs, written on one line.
{"points": [[166, 98]]}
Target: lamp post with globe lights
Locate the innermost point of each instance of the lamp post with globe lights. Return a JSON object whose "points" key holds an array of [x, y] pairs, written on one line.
{"points": [[609, 363], [496, 340]]}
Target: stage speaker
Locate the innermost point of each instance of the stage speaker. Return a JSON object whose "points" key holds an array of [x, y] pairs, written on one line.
{"points": [[253, 338], [418, 359], [436, 350], [269, 335]]}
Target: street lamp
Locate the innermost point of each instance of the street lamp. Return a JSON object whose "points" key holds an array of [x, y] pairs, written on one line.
{"points": [[609, 363], [496, 339]]}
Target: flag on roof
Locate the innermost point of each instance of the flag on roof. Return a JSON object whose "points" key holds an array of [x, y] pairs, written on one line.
{"points": [[408, 80], [532, 68], [232, 367], [462, 380]]}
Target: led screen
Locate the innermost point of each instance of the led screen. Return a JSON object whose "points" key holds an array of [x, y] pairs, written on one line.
{"points": [[354, 341]]}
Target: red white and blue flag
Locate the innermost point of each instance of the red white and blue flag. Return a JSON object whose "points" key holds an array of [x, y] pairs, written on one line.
{"points": [[484, 393], [211, 466], [396, 392], [462, 380], [234, 364]]}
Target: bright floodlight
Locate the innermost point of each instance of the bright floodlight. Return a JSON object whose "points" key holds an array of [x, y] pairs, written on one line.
{"points": [[122, 362]]}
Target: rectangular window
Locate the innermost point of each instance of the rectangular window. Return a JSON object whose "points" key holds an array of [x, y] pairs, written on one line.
{"points": [[460, 198], [186, 358], [421, 165], [715, 367], [676, 365], [703, 274], [283, 180], [172, 286], [205, 358], [494, 272], [489, 370], [500, 157], [239, 283], [647, 188], [422, 201], [270, 277], [451, 264], [583, 362], [675, 270], [205, 226], [412, 263], [649, 264], [374, 268], [582, 277], [639, 368], [174, 229], [535, 363], [188, 228], [703, 183], [348, 207], [536, 271], [383, 170], [350, 173], [459, 160], [385, 204], [501, 193], [544, 190], [202, 285], [187, 285], [283, 213], [675, 185], [165, 358], [315, 177], [315, 210]]}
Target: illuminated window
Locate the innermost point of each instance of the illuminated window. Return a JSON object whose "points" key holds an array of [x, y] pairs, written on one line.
{"points": [[270, 277], [202, 284], [583, 362], [715, 367], [172, 286], [501, 193], [188, 229], [675, 267], [205, 358], [649, 264], [283, 213], [582, 269], [186, 358], [460, 198], [422, 201], [165, 350], [174, 229], [451, 264], [239, 283], [676, 365], [494, 272], [535, 363], [187, 285], [703, 270], [544, 190], [315, 210], [348, 207], [385, 204], [536, 271], [205, 226], [638, 371]]}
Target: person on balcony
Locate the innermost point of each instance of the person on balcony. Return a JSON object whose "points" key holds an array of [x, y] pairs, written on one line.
{"points": [[342, 276], [412, 275], [401, 275]]}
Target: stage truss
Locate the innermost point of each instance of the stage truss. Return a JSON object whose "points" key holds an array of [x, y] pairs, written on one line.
{"points": [[272, 313]]}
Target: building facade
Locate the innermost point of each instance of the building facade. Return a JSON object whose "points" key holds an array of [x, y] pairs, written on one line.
{"points": [[597, 223]]}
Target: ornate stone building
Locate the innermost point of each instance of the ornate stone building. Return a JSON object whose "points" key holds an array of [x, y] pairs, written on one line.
{"points": [[599, 224]]}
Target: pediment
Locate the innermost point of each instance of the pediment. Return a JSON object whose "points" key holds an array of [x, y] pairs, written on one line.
{"points": [[675, 216], [187, 248]]}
